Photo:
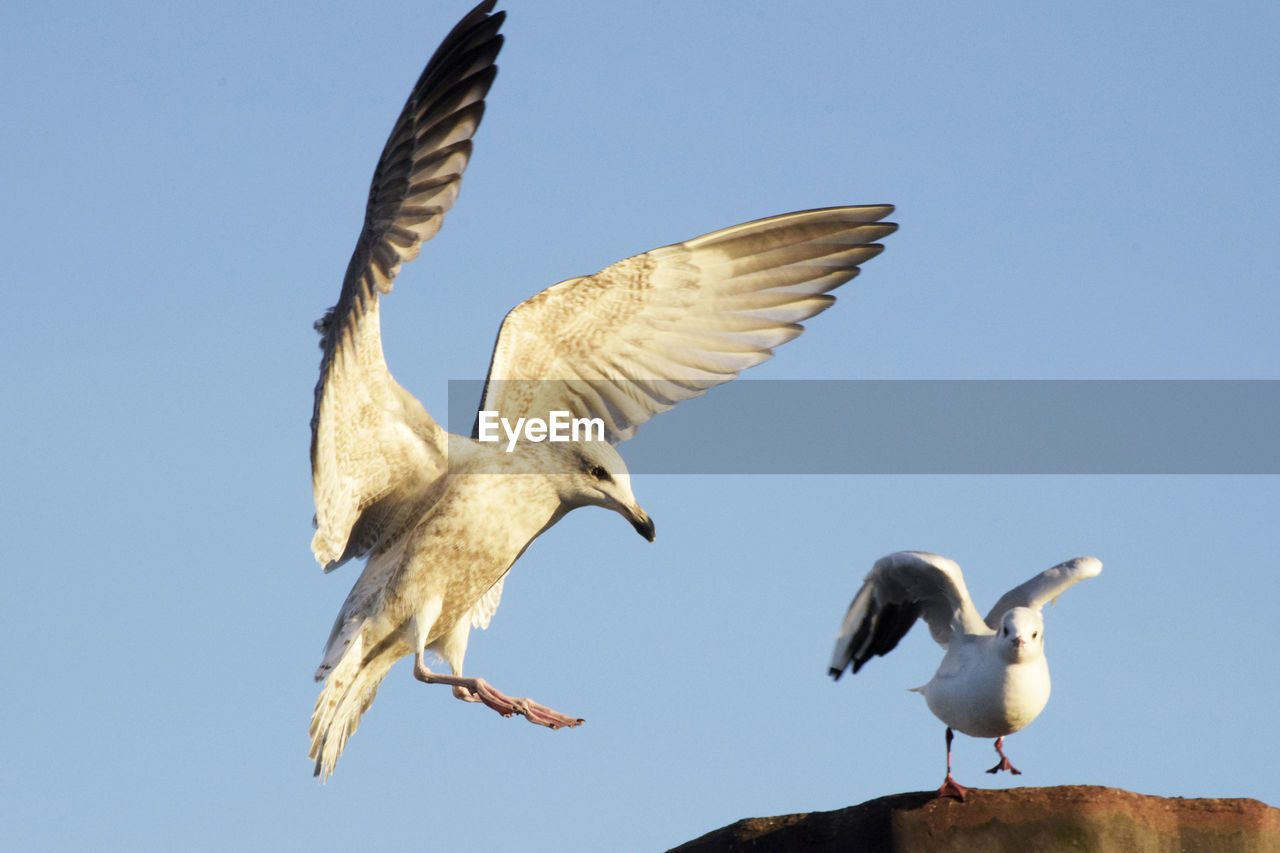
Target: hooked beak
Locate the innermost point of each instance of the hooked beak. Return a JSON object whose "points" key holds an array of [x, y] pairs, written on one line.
{"points": [[641, 521]]}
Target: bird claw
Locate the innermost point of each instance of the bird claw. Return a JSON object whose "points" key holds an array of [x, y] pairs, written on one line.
{"points": [[952, 788], [479, 690], [1005, 765], [1004, 760], [460, 692], [532, 711]]}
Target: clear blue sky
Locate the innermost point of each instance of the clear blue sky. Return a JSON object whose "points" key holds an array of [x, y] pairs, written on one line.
{"points": [[1085, 190]]}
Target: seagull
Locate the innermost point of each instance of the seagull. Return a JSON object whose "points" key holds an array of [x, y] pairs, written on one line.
{"points": [[440, 518], [994, 679]]}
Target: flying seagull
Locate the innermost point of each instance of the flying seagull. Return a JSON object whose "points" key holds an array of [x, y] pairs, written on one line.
{"points": [[439, 517], [994, 679]]}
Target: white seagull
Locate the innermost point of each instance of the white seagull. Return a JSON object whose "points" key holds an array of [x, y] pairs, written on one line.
{"points": [[439, 517], [994, 678]]}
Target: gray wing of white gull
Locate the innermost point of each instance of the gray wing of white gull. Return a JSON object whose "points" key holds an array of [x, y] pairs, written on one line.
{"points": [[650, 331], [375, 452], [899, 589], [1044, 587]]}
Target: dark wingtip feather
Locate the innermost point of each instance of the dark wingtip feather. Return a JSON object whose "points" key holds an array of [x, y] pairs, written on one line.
{"points": [[322, 326]]}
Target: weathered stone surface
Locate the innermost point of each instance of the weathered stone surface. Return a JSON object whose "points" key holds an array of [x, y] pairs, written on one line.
{"points": [[1075, 817]]}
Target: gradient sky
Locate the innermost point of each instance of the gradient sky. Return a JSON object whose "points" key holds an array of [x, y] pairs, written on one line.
{"points": [[1085, 190]]}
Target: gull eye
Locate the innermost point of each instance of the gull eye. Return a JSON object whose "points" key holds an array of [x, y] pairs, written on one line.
{"points": [[1004, 631], [598, 472], [1035, 635]]}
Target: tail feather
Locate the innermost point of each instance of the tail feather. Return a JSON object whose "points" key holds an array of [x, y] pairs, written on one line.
{"points": [[347, 694]]}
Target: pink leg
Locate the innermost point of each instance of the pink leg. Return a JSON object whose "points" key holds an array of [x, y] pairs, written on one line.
{"points": [[950, 787], [1004, 760], [479, 690]]}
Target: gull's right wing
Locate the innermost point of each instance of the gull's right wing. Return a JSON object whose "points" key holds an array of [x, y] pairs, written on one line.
{"points": [[899, 589], [650, 331]]}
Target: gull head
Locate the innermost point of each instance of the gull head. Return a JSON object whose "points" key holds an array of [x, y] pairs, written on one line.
{"points": [[600, 478], [1021, 635]]}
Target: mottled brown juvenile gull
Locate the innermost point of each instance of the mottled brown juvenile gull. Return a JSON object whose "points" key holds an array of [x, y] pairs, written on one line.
{"points": [[441, 518], [994, 678]]}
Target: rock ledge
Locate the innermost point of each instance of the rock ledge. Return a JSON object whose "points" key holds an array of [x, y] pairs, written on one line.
{"points": [[1073, 817]]}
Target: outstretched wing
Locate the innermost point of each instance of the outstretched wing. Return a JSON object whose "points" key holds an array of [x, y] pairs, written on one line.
{"points": [[372, 443], [648, 332], [899, 589], [1044, 587]]}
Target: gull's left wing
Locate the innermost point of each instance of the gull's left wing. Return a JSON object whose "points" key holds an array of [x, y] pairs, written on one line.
{"points": [[1044, 587], [374, 448]]}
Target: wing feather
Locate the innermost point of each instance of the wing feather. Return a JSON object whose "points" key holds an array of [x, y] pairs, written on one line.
{"points": [[1044, 587], [662, 327], [482, 611], [372, 443], [900, 588]]}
